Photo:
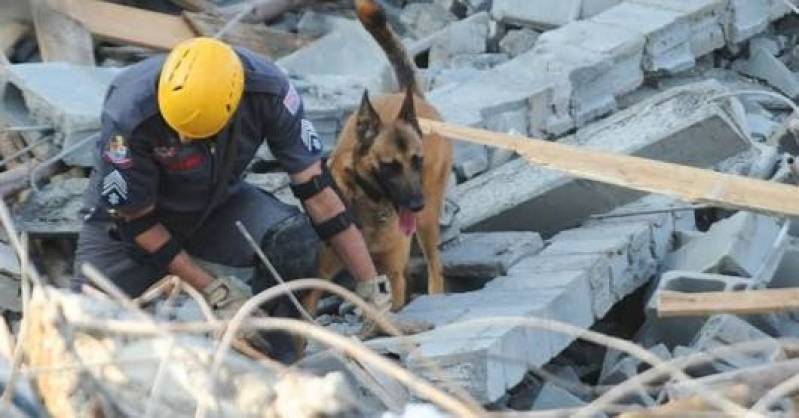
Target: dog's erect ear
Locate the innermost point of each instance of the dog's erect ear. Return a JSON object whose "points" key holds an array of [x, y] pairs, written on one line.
{"points": [[368, 122], [408, 111]]}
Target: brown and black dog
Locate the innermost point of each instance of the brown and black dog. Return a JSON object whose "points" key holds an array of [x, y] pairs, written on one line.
{"points": [[391, 175]]}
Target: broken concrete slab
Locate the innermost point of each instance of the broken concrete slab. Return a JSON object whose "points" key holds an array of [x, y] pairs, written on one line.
{"points": [[746, 19], [464, 37], [546, 14], [723, 330], [762, 65], [668, 46], [735, 246], [553, 396], [424, 19], [488, 255], [517, 42], [469, 160], [705, 18], [9, 262], [596, 265], [663, 127], [347, 52], [487, 360], [55, 211], [65, 96]]}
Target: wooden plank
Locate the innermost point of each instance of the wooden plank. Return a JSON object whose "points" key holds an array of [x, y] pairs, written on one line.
{"points": [[678, 304], [682, 182], [130, 25], [12, 32], [196, 5], [257, 37], [61, 37]]}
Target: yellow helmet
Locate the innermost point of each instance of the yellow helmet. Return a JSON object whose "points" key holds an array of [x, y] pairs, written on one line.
{"points": [[200, 87]]}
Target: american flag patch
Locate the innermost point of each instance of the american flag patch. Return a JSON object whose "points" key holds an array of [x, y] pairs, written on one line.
{"points": [[292, 100]]}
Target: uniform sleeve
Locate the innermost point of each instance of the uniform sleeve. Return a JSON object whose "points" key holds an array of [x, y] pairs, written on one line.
{"points": [[128, 174], [291, 137]]}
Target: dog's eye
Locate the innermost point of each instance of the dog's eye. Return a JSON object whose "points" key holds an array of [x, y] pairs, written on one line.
{"points": [[416, 162]]}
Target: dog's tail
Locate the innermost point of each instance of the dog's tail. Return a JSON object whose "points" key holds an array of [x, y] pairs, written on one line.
{"points": [[373, 18]]}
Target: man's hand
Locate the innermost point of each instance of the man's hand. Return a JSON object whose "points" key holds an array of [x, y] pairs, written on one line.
{"points": [[377, 292], [226, 295]]}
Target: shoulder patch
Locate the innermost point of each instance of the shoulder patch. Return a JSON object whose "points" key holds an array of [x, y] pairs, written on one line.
{"points": [[309, 137], [292, 100], [115, 188], [117, 153]]}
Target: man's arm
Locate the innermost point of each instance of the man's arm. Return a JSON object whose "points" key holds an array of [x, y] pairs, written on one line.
{"points": [[348, 244], [182, 265]]}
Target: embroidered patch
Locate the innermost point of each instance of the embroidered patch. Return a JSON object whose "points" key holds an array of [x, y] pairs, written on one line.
{"points": [[309, 137], [115, 188], [187, 163], [117, 153], [292, 100]]}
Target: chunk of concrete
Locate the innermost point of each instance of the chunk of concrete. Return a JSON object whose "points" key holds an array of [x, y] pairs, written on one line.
{"points": [[546, 14], [747, 18], [488, 359], [664, 127], [465, 37], [347, 52], [725, 330], [706, 19], [488, 255], [423, 19], [66, 96], [596, 265], [517, 42], [762, 65], [736, 246], [9, 262], [668, 47], [55, 211], [469, 160], [553, 396]]}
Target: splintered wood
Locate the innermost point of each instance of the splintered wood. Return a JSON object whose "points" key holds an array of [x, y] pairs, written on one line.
{"points": [[678, 304], [675, 180]]}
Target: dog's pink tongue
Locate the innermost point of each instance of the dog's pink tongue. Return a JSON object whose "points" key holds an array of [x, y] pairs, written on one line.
{"points": [[407, 222]]}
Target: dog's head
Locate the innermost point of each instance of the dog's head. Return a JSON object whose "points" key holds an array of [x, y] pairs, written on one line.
{"points": [[389, 158]]}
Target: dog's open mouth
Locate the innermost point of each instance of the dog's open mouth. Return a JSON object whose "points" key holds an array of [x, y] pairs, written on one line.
{"points": [[407, 221]]}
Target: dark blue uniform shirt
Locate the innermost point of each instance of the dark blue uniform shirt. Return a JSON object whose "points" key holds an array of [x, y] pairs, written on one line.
{"points": [[141, 162]]}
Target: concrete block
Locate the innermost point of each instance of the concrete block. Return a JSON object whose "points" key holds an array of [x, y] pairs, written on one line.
{"points": [[777, 9], [664, 127], [724, 330], [469, 160], [623, 45], [787, 271], [553, 396], [9, 263], [486, 360], [597, 266], [736, 246], [746, 19], [517, 42], [692, 282], [347, 52], [56, 211], [465, 37], [488, 255], [423, 19], [668, 35], [66, 96], [762, 65], [705, 18], [541, 14]]}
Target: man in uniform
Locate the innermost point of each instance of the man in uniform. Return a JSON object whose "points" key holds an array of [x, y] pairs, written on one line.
{"points": [[178, 132]]}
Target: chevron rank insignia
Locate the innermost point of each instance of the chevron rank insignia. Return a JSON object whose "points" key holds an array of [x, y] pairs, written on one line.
{"points": [[309, 137], [115, 188]]}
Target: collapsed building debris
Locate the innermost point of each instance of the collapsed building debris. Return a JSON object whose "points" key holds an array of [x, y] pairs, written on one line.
{"points": [[536, 259]]}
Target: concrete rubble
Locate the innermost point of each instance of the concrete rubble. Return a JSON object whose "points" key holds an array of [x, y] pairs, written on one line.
{"points": [[521, 244]]}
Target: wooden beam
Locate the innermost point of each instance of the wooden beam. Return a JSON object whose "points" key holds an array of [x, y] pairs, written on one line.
{"points": [[60, 36], [682, 182], [196, 5], [678, 304], [257, 37], [130, 25]]}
